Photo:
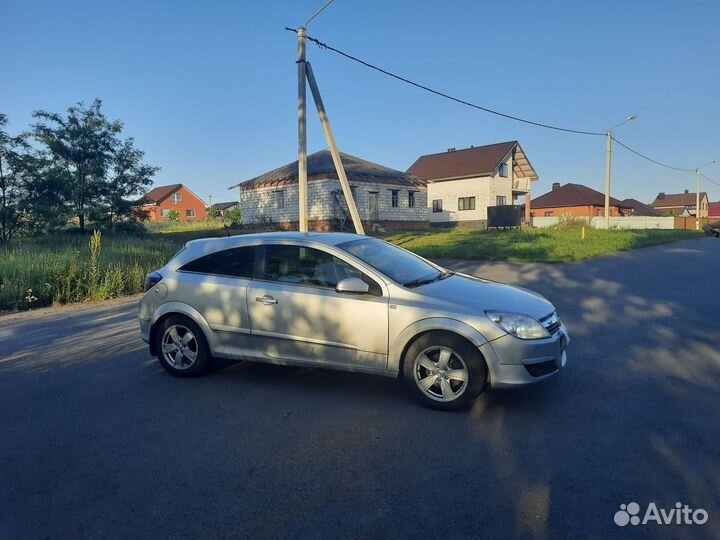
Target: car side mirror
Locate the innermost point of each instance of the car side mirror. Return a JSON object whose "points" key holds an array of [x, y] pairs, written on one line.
{"points": [[352, 285]]}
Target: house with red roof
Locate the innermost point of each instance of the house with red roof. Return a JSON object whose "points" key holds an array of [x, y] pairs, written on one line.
{"points": [[162, 200], [576, 200]]}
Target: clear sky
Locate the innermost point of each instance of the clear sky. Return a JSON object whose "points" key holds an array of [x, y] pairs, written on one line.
{"points": [[208, 89]]}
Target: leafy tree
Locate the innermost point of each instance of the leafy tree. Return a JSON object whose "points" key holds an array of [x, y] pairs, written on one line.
{"points": [[20, 169], [173, 215], [129, 177], [81, 146], [234, 216]]}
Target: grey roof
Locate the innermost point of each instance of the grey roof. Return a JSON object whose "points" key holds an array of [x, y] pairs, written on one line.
{"points": [[640, 208], [321, 165]]}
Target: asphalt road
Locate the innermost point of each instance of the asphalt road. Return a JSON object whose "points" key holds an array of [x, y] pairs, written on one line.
{"points": [[97, 441]]}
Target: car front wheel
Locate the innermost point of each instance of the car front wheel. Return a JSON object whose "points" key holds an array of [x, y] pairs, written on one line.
{"points": [[444, 371], [181, 347]]}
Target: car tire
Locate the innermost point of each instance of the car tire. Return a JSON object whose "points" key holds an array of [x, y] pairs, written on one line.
{"points": [[181, 347], [444, 371]]}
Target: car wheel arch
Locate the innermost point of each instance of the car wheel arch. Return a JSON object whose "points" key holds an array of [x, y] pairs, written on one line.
{"points": [[414, 331], [184, 310]]}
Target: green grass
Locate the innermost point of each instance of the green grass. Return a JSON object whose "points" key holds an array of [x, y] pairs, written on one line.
{"points": [[63, 268], [551, 245]]}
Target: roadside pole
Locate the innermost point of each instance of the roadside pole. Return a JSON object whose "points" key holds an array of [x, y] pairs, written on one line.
{"points": [[330, 137], [697, 199], [302, 134], [607, 179]]}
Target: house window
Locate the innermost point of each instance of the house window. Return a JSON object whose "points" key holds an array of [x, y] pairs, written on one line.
{"points": [[548, 214], [500, 200], [503, 170], [394, 199], [165, 212], [176, 198], [437, 205], [280, 199], [411, 199], [189, 213], [466, 203]]}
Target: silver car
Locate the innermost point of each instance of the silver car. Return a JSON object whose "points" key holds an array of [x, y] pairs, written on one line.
{"points": [[349, 302]]}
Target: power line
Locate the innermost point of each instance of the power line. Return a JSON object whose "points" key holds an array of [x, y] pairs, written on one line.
{"points": [[442, 94], [651, 159], [318, 12], [710, 179]]}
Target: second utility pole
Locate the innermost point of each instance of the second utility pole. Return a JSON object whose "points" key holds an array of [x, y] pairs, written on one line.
{"points": [[607, 179]]}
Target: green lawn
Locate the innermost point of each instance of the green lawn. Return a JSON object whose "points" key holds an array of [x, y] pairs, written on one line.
{"points": [[551, 245], [63, 268]]}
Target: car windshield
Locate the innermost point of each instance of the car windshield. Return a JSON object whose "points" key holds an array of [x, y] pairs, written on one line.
{"points": [[397, 264]]}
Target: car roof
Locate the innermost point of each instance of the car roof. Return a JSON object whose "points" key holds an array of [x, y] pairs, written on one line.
{"points": [[328, 238]]}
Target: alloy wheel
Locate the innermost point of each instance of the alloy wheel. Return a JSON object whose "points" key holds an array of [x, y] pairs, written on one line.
{"points": [[179, 347], [441, 373]]}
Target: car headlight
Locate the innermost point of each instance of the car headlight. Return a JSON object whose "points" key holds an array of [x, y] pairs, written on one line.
{"points": [[518, 325]]}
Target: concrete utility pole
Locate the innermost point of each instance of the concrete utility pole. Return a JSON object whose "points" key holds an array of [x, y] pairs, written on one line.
{"points": [[302, 134], [330, 137], [607, 179], [608, 165], [697, 199]]}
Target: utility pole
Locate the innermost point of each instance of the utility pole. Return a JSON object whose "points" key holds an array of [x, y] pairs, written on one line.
{"points": [[608, 166], [302, 134], [607, 179], [697, 199]]}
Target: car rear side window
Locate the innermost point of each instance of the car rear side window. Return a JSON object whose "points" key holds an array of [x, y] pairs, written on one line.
{"points": [[235, 262]]}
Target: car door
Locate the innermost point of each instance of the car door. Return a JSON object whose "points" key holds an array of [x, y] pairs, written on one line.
{"points": [[216, 285], [298, 316]]}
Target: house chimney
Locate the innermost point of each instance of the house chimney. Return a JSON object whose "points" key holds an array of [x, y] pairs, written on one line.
{"points": [[661, 195], [556, 185], [451, 149], [686, 191]]}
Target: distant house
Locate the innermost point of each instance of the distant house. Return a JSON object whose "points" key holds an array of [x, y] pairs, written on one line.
{"points": [[641, 209], [714, 210], [384, 197], [462, 184], [223, 207], [160, 201], [576, 200], [680, 204]]}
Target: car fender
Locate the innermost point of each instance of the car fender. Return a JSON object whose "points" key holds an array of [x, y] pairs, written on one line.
{"points": [[446, 324], [190, 312]]}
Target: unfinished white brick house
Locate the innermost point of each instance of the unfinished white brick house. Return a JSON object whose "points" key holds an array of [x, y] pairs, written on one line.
{"points": [[385, 198], [462, 184]]}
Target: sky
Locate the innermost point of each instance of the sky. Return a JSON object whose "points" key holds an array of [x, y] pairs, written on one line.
{"points": [[209, 89]]}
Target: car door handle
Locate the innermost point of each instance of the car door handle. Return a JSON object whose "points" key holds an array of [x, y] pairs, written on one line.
{"points": [[267, 300]]}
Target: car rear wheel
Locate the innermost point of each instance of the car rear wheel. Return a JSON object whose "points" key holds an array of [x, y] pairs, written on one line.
{"points": [[181, 347], [444, 371]]}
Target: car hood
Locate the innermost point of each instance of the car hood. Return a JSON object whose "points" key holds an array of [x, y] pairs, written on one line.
{"points": [[487, 295]]}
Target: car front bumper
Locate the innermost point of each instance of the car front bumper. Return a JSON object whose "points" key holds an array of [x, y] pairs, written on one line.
{"points": [[515, 362]]}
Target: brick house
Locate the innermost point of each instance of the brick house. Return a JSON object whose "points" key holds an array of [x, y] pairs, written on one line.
{"points": [[462, 184], [385, 198], [160, 201], [714, 210], [680, 204], [576, 200]]}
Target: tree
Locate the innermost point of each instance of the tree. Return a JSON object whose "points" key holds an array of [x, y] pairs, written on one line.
{"points": [[81, 146], [173, 215], [129, 177], [20, 167], [234, 216]]}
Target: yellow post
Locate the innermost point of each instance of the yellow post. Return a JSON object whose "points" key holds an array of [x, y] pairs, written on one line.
{"points": [[583, 232]]}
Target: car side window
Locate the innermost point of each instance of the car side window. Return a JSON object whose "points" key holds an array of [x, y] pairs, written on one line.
{"points": [[308, 266], [235, 262]]}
